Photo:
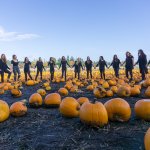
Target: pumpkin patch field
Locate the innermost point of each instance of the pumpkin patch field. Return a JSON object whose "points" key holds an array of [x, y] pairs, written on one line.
{"points": [[111, 114]]}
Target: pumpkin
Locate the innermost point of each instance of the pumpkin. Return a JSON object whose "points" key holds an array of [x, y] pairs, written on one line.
{"points": [[147, 92], [112, 82], [30, 82], [74, 89], [18, 109], [63, 91], [105, 85], [142, 109], [82, 100], [147, 140], [5, 88], [4, 111], [90, 87], [93, 114], [146, 83], [135, 91], [118, 110], [42, 92], [48, 88], [35, 100], [52, 100], [2, 91], [114, 89], [109, 93], [16, 93], [99, 92], [68, 86], [123, 91], [69, 107]]}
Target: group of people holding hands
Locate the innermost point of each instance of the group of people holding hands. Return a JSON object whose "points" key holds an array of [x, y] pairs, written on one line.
{"points": [[116, 63]]}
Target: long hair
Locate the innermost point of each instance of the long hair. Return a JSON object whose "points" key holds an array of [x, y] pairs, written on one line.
{"points": [[140, 52], [25, 59], [101, 58], [3, 59], [115, 57], [13, 57]]}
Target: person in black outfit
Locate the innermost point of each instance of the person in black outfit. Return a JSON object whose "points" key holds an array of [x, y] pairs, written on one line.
{"points": [[4, 68], [15, 67], [102, 64], [51, 63], [115, 63], [142, 61], [129, 65], [27, 64], [40, 67], [64, 64], [77, 67], [88, 65]]}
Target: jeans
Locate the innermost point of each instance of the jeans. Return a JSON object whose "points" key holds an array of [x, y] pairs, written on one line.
{"points": [[16, 71]]}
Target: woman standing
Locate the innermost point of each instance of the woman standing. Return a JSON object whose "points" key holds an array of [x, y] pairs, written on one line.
{"points": [[4, 68], [51, 63], [27, 65], [88, 65], [115, 63], [102, 64], [142, 61], [64, 64], [15, 66], [77, 67], [40, 67], [129, 63]]}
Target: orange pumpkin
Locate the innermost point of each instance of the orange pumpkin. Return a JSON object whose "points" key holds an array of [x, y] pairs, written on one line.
{"points": [[35, 100], [118, 110], [2, 91], [18, 109], [109, 93], [123, 91], [105, 85], [93, 114], [63, 91], [99, 92], [69, 107], [16, 93], [90, 87], [82, 100], [147, 140], [135, 91], [4, 111], [142, 109], [112, 82], [114, 89], [42, 92], [30, 83], [147, 92], [52, 100]]}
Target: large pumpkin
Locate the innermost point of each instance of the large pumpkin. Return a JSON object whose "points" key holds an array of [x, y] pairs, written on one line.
{"points": [[142, 109], [93, 114], [147, 140], [4, 111], [69, 107], [18, 109], [82, 100], [63, 91], [99, 92], [118, 110], [52, 100], [123, 91], [35, 100]]}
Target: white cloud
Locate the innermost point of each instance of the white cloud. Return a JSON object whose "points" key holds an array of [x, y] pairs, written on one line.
{"points": [[13, 36]]}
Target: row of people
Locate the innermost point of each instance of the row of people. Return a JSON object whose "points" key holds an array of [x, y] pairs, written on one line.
{"points": [[129, 65]]}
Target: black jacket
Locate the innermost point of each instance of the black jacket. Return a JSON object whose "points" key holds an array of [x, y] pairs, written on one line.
{"points": [[129, 62], [27, 66], [142, 61], [39, 65], [52, 65], [101, 64], [64, 64], [77, 66], [115, 63], [3, 66], [88, 64]]}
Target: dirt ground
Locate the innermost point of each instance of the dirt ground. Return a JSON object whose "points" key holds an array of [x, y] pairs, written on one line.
{"points": [[45, 129]]}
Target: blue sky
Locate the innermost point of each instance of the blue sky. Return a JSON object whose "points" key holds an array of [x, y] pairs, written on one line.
{"points": [[47, 28]]}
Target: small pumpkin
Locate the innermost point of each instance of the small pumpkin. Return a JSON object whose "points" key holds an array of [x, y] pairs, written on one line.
{"points": [[147, 140], [69, 107], [30, 83], [142, 109], [16, 93], [90, 87], [109, 93], [35, 100], [118, 110], [147, 92], [63, 91], [2, 91], [82, 100], [114, 89], [4, 111], [52, 100], [18, 109], [93, 114], [135, 91], [99, 92], [42, 92], [123, 91], [105, 85]]}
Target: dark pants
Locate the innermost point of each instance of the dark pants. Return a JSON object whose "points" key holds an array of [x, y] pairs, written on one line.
{"points": [[116, 70], [37, 74], [27, 73], [89, 71], [16, 71], [77, 73], [143, 72], [2, 75], [52, 74], [129, 71], [64, 72], [102, 73]]}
